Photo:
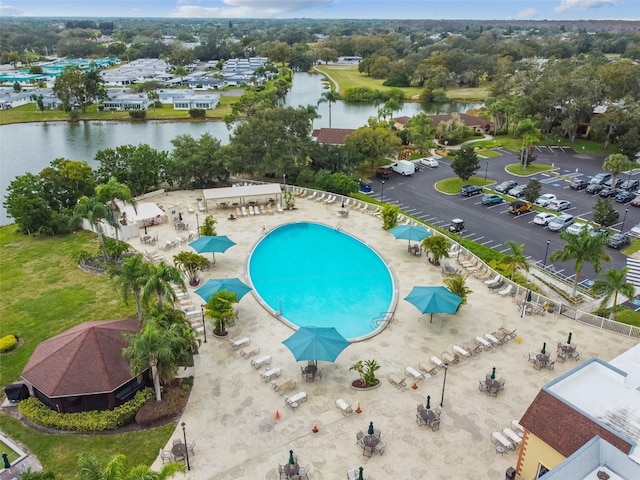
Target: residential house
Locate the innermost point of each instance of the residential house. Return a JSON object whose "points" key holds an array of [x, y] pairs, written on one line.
{"points": [[585, 424], [331, 136]]}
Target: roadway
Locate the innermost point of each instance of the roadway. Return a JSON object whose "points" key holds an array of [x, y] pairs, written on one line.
{"points": [[493, 226]]}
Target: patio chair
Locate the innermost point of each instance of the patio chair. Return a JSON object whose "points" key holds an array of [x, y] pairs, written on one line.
{"points": [[493, 281], [190, 208], [166, 456], [239, 342], [493, 392], [435, 425], [429, 369], [283, 387], [421, 422], [279, 208], [506, 291], [367, 451], [283, 475], [360, 438], [379, 448], [532, 357], [483, 386], [303, 472], [550, 365], [575, 355], [398, 380], [312, 196], [344, 407], [495, 286], [560, 358], [321, 198]]}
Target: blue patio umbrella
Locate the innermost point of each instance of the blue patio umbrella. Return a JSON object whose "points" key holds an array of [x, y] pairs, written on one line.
{"points": [[212, 244], [434, 300], [316, 343], [214, 285], [410, 232]]}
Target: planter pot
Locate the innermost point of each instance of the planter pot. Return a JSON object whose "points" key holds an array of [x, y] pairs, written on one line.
{"points": [[435, 264], [358, 385], [220, 335], [194, 283]]}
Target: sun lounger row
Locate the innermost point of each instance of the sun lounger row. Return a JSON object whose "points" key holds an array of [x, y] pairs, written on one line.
{"points": [[294, 400]]}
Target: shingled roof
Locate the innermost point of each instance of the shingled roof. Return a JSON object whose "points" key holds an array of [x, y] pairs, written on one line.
{"points": [[85, 360], [333, 136], [564, 428]]}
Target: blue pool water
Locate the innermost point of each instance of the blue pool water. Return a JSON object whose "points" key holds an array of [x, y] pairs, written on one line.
{"points": [[321, 277]]}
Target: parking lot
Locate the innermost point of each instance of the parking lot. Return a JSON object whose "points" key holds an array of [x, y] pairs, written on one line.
{"points": [[494, 225]]}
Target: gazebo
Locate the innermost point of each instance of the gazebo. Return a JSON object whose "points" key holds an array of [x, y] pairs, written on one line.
{"points": [[83, 368]]}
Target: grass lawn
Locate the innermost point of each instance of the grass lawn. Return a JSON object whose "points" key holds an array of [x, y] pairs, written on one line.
{"points": [[28, 113], [514, 144], [347, 76], [454, 184], [44, 293], [487, 153], [58, 453], [468, 94], [532, 169]]}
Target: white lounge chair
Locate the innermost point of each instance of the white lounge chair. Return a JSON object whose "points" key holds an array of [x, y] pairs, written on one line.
{"points": [[344, 407], [260, 361], [461, 351], [492, 339], [412, 372], [331, 200], [497, 437], [437, 362], [484, 343], [512, 436], [201, 206], [297, 398], [240, 342], [244, 211], [492, 281], [190, 208], [279, 208], [251, 211], [506, 290], [321, 198], [312, 196], [270, 373]]}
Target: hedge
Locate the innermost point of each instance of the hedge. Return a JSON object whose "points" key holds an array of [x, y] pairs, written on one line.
{"points": [[92, 421], [8, 343]]}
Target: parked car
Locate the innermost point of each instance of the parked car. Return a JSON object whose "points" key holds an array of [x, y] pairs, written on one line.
{"points": [[491, 199], [404, 167], [428, 162], [577, 228], [504, 187], [470, 190], [607, 192], [383, 173], [578, 184], [543, 200], [630, 185], [617, 185], [517, 191], [457, 225], [624, 197], [594, 188], [635, 202], [601, 178], [543, 218], [560, 222], [559, 205], [519, 207], [596, 232], [619, 240]]}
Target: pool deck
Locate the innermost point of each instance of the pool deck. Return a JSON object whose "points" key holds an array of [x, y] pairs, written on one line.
{"points": [[231, 414]]}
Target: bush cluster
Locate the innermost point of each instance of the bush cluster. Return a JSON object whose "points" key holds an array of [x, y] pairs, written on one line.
{"points": [[92, 421], [8, 343], [197, 113], [172, 403], [138, 114]]}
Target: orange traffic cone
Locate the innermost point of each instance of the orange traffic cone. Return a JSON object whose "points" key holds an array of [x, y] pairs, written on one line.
{"points": [[315, 427], [358, 410], [415, 385], [277, 415]]}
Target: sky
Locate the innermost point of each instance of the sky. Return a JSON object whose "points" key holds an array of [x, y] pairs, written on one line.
{"points": [[331, 9]]}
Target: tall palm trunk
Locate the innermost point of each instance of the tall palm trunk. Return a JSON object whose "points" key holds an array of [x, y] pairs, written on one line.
{"points": [[156, 379], [136, 296]]}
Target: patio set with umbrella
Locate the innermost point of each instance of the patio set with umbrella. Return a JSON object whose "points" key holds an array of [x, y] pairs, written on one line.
{"points": [[313, 344], [432, 300], [212, 244], [411, 232]]}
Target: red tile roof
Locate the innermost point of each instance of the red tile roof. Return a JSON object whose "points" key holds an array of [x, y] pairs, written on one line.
{"points": [[84, 360], [333, 136], [564, 428]]}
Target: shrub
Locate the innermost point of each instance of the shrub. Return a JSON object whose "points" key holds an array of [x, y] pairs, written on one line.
{"points": [[8, 343], [92, 421], [197, 113], [138, 114], [172, 403]]}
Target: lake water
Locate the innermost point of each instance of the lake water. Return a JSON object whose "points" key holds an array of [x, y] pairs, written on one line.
{"points": [[31, 147]]}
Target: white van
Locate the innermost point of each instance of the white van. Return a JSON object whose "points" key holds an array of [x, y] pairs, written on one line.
{"points": [[404, 167]]}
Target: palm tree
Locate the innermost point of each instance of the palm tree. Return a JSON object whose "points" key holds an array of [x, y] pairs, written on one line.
{"points": [[158, 281], [458, 284], [109, 192], [94, 211], [610, 285], [156, 348], [529, 132], [331, 97], [130, 277], [174, 320], [220, 308], [582, 248], [515, 259], [91, 468], [190, 264], [616, 163], [438, 245]]}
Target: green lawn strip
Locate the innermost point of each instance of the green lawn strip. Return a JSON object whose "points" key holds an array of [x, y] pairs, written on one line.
{"points": [[349, 77], [469, 94], [628, 317], [532, 169], [632, 248], [58, 452], [44, 292], [488, 153], [453, 185]]}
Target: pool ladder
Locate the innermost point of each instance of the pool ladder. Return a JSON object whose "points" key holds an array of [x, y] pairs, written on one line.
{"points": [[338, 227], [383, 320]]}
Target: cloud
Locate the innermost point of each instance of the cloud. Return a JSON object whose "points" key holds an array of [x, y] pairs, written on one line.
{"points": [[10, 11], [526, 14], [247, 8], [584, 4]]}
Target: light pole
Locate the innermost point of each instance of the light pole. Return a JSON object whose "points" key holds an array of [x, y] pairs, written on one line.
{"points": [[444, 383], [624, 219], [544, 264], [486, 169], [284, 178], [186, 450], [197, 226], [382, 193], [204, 325]]}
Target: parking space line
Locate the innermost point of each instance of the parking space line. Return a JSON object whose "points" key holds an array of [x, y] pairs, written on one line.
{"points": [[487, 242], [504, 250], [478, 239]]}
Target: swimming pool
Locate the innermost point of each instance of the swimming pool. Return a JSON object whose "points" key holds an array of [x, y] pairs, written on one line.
{"points": [[317, 275]]}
